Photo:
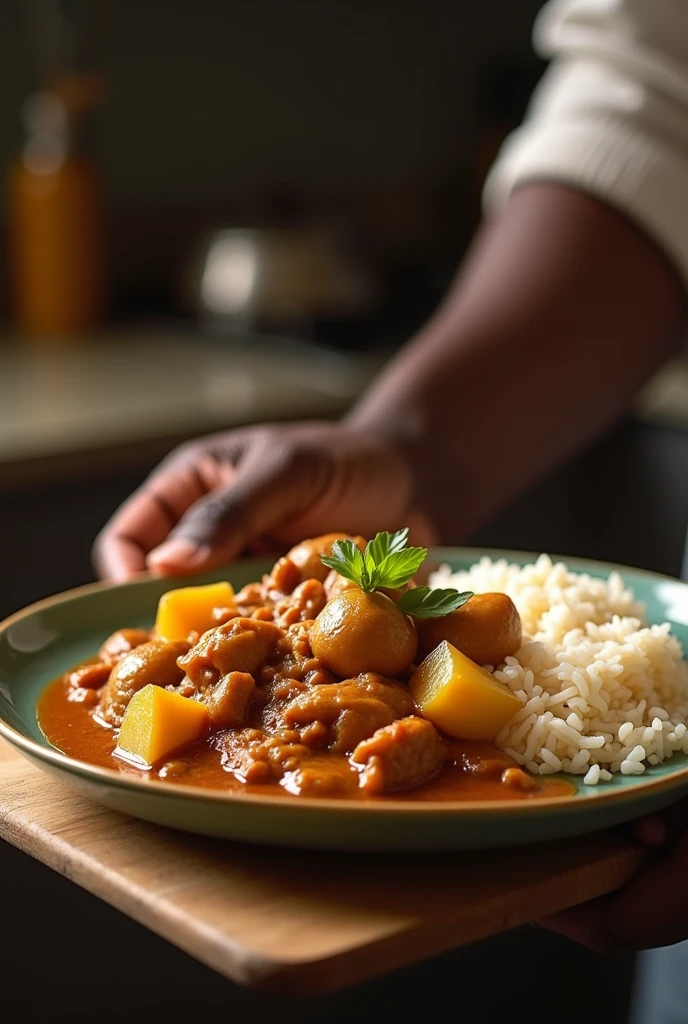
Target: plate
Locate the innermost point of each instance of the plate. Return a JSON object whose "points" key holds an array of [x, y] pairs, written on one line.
{"points": [[42, 641]]}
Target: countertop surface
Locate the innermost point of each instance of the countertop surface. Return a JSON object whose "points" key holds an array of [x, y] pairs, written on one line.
{"points": [[131, 389], [119, 390]]}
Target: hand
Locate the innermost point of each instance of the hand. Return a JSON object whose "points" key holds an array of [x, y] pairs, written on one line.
{"points": [[652, 910], [257, 489]]}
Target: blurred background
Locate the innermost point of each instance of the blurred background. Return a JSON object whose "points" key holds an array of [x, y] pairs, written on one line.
{"points": [[218, 213]]}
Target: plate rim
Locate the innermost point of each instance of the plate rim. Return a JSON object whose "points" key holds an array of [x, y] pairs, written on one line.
{"points": [[469, 808]]}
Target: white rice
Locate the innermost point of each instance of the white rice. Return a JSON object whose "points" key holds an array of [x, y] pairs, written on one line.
{"points": [[602, 691]]}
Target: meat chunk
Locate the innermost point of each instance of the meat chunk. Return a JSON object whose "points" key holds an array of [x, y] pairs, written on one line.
{"points": [[284, 577], [251, 595], [352, 710], [307, 555], [120, 643], [307, 601], [153, 662], [250, 599], [227, 701], [224, 613], [323, 776], [399, 756], [315, 735], [334, 584], [256, 756], [240, 645], [89, 677], [293, 657]]}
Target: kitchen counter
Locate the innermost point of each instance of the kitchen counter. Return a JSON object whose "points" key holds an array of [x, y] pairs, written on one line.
{"points": [[127, 393], [122, 393]]}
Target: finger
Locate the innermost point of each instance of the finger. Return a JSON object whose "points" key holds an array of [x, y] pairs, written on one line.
{"points": [[264, 547], [271, 485], [118, 559], [652, 910], [584, 925], [662, 830], [148, 516], [652, 832]]}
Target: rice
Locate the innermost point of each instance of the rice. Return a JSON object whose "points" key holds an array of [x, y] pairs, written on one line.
{"points": [[603, 692]]}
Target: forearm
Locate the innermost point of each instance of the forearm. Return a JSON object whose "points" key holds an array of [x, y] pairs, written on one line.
{"points": [[563, 310]]}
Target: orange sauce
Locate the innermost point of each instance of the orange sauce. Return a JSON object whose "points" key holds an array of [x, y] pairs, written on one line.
{"points": [[475, 773]]}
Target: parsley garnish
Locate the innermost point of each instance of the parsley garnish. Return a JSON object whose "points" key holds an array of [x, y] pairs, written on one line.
{"points": [[425, 603], [387, 563]]}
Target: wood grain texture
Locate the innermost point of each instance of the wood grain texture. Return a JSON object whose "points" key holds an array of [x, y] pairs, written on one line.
{"points": [[291, 921]]}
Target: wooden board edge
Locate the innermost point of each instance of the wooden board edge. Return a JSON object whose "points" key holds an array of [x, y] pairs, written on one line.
{"points": [[316, 976]]}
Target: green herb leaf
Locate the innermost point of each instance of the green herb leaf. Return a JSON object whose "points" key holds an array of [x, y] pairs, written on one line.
{"points": [[386, 562], [369, 564], [348, 561], [384, 544], [398, 567], [425, 603]]}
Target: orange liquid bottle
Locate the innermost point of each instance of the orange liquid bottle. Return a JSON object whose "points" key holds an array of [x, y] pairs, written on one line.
{"points": [[57, 275]]}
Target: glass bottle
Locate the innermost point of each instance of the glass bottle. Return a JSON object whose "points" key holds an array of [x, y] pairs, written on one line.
{"points": [[57, 274]]}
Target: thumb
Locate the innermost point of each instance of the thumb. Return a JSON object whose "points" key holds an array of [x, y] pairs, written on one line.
{"points": [[271, 485]]}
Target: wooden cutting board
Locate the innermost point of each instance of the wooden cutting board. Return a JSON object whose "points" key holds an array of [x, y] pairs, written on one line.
{"points": [[297, 922]]}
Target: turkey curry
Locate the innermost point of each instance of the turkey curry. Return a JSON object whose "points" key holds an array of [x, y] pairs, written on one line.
{"points": [[334, 676]]}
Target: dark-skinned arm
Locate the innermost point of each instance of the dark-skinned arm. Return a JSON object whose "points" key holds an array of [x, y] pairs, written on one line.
{"points": [[563, 311]]}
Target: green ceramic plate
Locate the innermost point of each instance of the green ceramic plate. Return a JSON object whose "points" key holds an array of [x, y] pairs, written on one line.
{"points": [[39, 643]]}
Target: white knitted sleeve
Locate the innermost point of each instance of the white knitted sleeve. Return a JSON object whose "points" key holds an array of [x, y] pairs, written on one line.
{"points": [[611, 114]]}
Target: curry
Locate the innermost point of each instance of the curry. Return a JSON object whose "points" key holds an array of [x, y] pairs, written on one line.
{"points": [[334, 676]]}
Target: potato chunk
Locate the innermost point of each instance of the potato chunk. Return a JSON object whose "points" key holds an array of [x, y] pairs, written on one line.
{"points": [[487, 629], [460, 697], [158, 722], [362, 632], [189, 610]]}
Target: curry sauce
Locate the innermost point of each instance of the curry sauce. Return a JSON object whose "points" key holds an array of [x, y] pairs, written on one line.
{"points": [[474, 773]]}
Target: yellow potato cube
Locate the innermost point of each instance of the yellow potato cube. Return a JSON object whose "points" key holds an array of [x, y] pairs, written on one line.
{"points": [[460, 697], [190, 609], [156, 723]]}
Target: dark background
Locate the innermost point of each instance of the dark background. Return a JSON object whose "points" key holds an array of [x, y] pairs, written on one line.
{"points": [[382, 116]]}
